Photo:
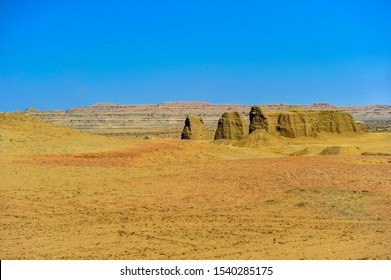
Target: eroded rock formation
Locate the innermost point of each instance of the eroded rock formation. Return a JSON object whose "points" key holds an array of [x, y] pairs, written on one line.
{"points": [[166, 119], [195, 129], [297, 122], [231, 126]]}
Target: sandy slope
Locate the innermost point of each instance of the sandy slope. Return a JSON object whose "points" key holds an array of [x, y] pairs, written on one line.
{"points": [[71, 195]]}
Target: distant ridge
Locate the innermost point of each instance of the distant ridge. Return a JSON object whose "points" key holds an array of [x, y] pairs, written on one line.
{"points": [[166, 119]]}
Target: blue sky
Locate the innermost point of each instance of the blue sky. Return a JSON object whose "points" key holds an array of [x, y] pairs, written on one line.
{"points": [[61, 54]]}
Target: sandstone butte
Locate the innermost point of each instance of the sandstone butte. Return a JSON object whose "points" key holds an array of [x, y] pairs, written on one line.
{"points": [[297, 122], [293, 122], [231, 126], [195, 129]]}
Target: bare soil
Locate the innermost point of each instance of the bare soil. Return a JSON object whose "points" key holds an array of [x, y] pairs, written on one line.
{"points": [[72, 195]]}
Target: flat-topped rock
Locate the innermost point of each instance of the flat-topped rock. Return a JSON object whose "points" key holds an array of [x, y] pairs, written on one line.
{"points": [[297, 122]]}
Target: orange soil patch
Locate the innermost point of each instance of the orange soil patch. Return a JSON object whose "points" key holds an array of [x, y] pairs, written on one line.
{"points": [[320, 207]]}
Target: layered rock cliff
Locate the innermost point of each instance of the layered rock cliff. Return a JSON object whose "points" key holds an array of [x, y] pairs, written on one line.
{"points": [[166, 119]]}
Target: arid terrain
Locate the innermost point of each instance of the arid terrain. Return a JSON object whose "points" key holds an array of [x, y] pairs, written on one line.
{"points": [[166, 119], [67, 194]]}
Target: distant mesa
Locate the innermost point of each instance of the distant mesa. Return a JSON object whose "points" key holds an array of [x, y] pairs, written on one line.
{"points": [[183, 103], [104, 104], [165, 120], [231, 126], [297, 122], [195, 129], [30, 109]]}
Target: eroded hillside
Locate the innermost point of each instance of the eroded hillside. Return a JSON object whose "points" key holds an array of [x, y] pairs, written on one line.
{"points": [[167, 119]]}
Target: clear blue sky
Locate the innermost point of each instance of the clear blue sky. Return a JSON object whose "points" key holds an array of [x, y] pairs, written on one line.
{"points": [[61, 54]]}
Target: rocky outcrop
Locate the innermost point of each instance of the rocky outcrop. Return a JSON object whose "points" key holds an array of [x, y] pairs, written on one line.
{"points": [[297, 122], [166, 119], [231, 126], [195, 129]]}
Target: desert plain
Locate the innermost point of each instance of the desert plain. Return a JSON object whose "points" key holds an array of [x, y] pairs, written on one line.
{"points": [[67, 194]]}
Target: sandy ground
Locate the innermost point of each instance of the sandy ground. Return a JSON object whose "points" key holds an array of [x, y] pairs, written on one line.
{"points": [[70, 195]]}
